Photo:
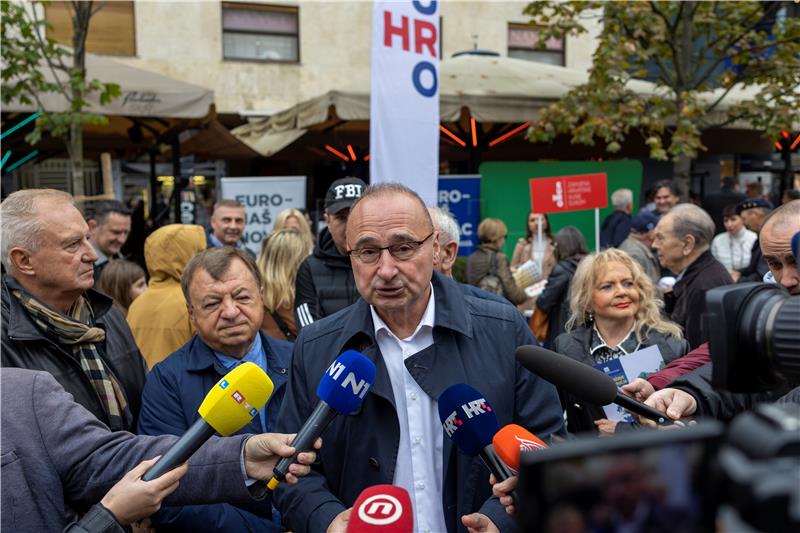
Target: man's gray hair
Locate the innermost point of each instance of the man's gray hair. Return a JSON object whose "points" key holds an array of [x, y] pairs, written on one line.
{"points": [[446, 224], [19, 220], [622, 198], [689, 219]]}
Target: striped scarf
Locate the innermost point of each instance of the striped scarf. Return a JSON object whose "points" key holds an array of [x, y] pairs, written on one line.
{"points": [[74, 331]]}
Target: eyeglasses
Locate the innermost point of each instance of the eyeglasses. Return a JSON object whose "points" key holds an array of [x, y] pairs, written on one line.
{"points": [[402, 251]]}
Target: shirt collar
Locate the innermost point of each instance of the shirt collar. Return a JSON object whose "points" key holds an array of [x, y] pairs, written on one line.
{"points": [[255, 355], [101, 256], [427, 318], [626, 346]]}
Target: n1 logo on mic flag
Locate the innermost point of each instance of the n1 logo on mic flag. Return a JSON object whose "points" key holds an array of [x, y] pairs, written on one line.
{"points": [[404, 98]]}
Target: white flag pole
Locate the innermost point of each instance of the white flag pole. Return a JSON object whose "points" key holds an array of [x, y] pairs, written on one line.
{"points": [[597, 229]]}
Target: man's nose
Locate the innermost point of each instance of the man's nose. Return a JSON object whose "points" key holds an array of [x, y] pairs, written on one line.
{"points": [[229, 308], [387, 266]]}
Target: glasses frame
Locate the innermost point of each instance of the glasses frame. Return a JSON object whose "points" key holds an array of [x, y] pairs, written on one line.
{"points": [[357, 252]]}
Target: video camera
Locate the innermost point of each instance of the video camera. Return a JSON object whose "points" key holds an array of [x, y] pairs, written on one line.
{"points": [[700, 478]]}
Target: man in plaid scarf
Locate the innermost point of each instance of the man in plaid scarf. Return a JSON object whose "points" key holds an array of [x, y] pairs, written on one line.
{"points": [[52, 319]]}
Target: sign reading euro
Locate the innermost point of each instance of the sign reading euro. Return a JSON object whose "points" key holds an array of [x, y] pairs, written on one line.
{"points": [[569, 193]]}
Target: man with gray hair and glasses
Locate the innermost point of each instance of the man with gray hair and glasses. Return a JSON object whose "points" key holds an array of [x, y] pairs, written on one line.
{"points": [[52, 319], [682, 241]]}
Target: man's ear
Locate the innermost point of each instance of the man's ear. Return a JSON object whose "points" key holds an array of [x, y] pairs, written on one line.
{"points": [[92, 223], [22, 262], [692, 243], [448, 255]]}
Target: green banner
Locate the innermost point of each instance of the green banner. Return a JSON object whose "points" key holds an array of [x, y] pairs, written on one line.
{"points": [[505, 193]]}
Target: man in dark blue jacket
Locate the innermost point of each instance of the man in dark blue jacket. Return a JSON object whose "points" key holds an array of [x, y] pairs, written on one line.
{"points": [[617, 225], [222, 287], [424, 335]]}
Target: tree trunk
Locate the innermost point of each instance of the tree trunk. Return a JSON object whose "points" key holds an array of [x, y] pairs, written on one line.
{"points": [[682, 165], [76, 159], [80, 30], [682, 172]]}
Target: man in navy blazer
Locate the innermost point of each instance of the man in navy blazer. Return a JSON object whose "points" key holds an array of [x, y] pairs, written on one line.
{"points": [[424, 335], [222, 287]]}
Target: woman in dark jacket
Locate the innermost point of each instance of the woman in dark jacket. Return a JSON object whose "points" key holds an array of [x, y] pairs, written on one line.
{"points": [[614, 312], [554, 300], [489, 261]]}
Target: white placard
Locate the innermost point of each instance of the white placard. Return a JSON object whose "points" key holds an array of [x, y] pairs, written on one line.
{"points": [[404, 98], [263, 198]]}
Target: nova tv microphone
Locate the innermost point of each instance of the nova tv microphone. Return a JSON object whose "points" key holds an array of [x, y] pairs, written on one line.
{"points": [[585, 382], [468, 419], [513, 439], [382, 509], [228, 407], [341, 391]]}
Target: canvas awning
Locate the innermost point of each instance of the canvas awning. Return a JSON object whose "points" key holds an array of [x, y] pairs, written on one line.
{"points": [[143, 93], [495, 89]]}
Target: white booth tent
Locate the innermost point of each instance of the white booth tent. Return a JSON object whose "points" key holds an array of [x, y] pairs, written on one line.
{"points": [[495, 89]]}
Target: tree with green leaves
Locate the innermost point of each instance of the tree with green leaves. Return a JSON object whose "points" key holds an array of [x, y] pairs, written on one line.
{"points": [[698, 54], [34, 65]]}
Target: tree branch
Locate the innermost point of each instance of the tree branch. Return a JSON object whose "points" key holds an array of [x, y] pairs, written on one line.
{"points": [[41, 43]]}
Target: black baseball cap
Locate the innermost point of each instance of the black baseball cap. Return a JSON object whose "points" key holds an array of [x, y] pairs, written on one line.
{"points": [[753, 203], [342, 194]]}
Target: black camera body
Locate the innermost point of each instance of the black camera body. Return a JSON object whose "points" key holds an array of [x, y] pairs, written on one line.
{"points": [[754, 331]]}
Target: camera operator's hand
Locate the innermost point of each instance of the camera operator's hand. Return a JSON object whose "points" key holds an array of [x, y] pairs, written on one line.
{"points": [[262, 453], [638, 389], [674, 402]]}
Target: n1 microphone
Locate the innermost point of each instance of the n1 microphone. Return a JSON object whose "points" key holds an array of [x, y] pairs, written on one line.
{"points": [[585, 382], [468, 419], [340, 391], [229, 406], [382, 509], [513, 439]]}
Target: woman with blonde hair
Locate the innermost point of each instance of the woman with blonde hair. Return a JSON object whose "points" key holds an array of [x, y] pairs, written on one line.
{"points": [[292, 218], [614, 311], [280, 257]]}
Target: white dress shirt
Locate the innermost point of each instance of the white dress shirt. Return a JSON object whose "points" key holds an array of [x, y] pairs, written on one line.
{"points": [[419, 459], [733, 251]]}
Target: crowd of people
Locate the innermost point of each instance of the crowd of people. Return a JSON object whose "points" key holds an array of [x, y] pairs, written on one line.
{"points": [[104, 347]]}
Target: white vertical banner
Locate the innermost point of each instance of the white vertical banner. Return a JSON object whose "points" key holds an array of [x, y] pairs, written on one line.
{"points": [[404, 100]]}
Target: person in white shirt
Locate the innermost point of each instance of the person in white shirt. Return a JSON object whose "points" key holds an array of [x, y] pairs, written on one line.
{"points": [[733, 247]]}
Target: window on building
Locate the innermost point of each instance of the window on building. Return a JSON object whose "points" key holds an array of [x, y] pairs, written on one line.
{"points": [[260, 33], [523, 42], [112, 30]]}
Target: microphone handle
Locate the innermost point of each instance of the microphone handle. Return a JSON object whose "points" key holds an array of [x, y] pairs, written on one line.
{"points": [[643, 410], [197, 434], [500, 470], [304, 440]]}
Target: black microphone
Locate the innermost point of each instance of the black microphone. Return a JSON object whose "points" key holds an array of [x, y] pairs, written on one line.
{"points": [[585, 382]]}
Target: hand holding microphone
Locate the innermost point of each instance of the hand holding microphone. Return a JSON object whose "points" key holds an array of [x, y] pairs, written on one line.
{"points": [[229, 406], [341, 391]]}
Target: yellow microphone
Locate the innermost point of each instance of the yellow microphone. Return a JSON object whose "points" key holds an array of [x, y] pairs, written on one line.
{"points": [[229, 406]]}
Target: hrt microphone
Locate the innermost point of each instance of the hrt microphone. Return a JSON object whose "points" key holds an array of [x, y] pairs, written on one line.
{"points": [[340, 391], [513, 439], [585, 382], [468, 419], [229, 406], [382, 509]]}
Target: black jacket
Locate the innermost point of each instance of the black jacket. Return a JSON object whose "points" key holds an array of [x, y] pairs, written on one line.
{"points": [[615, 229], [324, 283], [554, 300], [757, 268], [575, 344], [25, 346], [721, 404], [686, 303]]}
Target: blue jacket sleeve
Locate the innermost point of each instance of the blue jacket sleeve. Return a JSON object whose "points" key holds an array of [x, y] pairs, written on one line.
{"points": [[536, 407], [310, 506], [162, 414]]}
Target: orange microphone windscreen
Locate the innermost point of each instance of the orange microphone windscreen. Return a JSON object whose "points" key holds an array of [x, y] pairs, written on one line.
{"points": [[511, 440]]}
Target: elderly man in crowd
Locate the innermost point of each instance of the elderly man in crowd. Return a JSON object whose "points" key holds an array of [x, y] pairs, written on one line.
{"points": [[227, 225], [222, 288], [424, 335], [639, 244], [617, 225], [52, 318], [110, 226], [682, 241]]}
